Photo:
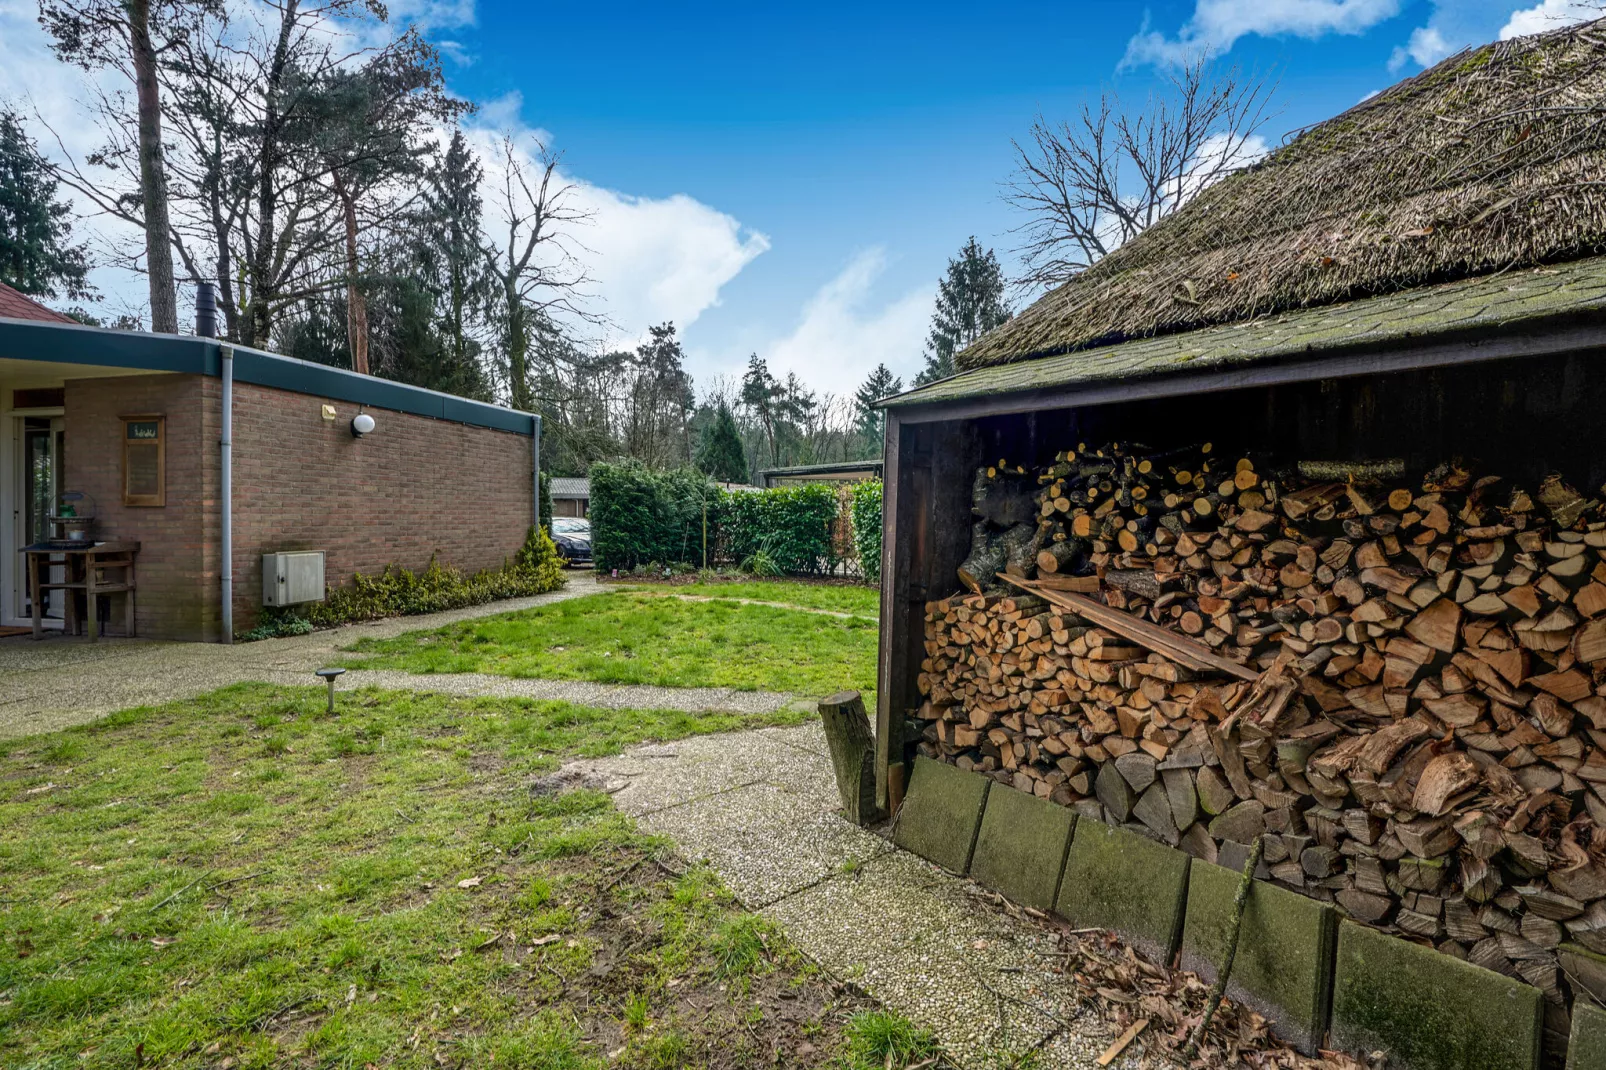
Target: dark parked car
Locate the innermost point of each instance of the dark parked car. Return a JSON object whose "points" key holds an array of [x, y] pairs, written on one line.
{"points": [[572, 535]]}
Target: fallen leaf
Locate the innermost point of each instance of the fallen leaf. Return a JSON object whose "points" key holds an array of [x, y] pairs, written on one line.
{"points": [[470, 882], [545, 940]]}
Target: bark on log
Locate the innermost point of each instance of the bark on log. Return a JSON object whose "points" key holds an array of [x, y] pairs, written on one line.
{"points": [[852, 744]]}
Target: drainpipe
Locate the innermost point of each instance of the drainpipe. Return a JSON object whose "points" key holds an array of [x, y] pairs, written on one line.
{"points": [[226, 478], [535, 466]]}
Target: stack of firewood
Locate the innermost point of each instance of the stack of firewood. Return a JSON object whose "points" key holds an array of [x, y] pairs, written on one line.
{"points": [[1399, 684]]}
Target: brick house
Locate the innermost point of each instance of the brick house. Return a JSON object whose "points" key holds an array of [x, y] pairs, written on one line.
{"points": [[134, 423]]}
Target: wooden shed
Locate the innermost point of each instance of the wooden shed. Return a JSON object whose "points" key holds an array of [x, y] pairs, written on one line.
{"points": [[1415, 282]]}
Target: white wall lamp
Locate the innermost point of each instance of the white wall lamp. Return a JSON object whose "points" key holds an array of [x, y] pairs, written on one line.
{"points": [[361, 424]]}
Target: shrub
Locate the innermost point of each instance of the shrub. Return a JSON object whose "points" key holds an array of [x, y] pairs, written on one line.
{"points": [[865, 506], [398, 592], [638, 515], [791, 525]]}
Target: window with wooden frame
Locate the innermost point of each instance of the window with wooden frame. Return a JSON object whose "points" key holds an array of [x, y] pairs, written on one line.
{"points": [[144, 460]]}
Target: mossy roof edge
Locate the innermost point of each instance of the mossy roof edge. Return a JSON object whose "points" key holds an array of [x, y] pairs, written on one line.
{"points": [[1492, 302]]}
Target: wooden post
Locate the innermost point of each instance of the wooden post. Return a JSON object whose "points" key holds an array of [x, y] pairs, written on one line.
{"points": [[847, 732]]}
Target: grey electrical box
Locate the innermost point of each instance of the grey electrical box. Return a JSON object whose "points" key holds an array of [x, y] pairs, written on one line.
{"points": [[288, 579]]}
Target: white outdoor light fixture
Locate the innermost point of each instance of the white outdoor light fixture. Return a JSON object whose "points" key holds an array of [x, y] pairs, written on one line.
{"points": [[361, 424]]}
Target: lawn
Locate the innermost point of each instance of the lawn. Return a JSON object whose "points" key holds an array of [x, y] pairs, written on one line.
{"points": [[632, 637], [244, 881], [839, 598]]}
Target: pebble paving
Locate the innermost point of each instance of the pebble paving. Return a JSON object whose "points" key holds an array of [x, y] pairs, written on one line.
{"points": [[761, 808]]}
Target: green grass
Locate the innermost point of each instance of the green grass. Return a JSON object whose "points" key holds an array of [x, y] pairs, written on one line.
{"points": [[628, 637], [839, 598], [244, 881]]}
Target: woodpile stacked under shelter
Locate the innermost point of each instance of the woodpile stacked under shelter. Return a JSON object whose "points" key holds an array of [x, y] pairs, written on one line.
{"points": [[1399, 682]]}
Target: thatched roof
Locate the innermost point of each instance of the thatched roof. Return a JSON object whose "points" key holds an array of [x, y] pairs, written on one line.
{"points": [[1495, 158]]}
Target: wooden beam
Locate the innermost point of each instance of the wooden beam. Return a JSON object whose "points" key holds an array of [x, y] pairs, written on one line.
{"points": [[894, 589], [1340, 364]]}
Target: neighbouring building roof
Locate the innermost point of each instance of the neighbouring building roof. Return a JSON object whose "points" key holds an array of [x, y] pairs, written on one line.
{"points": [[571, 487], [16, 305], [835, 468], [1478, 310], [1487, 162]]}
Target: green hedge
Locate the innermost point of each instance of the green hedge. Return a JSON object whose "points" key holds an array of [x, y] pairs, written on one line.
{"points": [[865, 508], [790, 526], [398, 592], [639, 516]]}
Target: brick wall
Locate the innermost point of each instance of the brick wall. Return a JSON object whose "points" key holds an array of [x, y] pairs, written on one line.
{"points": [[178, 557], [411, 488]]}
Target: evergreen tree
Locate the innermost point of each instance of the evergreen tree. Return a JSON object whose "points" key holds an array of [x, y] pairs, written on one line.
{"points": [[720, 452], [36, 254], [452, 256], [881, 384], [970, 302], [763, 395]]}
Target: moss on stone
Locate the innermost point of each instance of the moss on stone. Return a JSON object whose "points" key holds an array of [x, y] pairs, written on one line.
{"points": [[941, 813], [1285, 949], [1429, 1011], [1586, 1049], [1021, 848], [1119, 880]]}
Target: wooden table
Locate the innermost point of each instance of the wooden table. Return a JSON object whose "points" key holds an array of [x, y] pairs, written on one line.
{"points": [[85, 569]]}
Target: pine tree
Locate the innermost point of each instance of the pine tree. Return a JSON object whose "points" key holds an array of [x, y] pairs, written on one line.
{"points": [[720, 452], [970, 302], [36, 256], [453, 257], [881, 384]]}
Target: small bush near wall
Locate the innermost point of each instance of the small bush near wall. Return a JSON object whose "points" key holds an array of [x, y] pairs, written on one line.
{"points": [[865, 507], [789, 527], [639, 516], [398, 592]]}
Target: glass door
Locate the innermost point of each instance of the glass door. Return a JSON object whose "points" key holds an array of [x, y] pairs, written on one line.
{"points": [[42, 438]]}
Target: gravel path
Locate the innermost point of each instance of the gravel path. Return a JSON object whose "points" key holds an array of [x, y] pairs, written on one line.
{"points": [[60, 682], [761, 807]]}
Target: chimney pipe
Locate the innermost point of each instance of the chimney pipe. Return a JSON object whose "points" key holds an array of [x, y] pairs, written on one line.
{"points": [[205, 310]]}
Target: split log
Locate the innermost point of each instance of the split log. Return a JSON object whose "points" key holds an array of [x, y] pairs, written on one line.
{"points": [[852, 745]]}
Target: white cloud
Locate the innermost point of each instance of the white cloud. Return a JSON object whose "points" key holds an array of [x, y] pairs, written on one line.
{"points": [[1216, 25], [1549, 15], [1426, 47], [842, 332], [650, 259]]}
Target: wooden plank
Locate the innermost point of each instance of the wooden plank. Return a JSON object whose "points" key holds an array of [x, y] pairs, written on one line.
{"points": [[1194, 655]]}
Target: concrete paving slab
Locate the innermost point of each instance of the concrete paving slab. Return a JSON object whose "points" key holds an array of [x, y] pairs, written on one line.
{"points": [[1021, 847], [766, 842], [689, 769], [911, 937], [1285, 950], [1586, 1047], [941, 813], [1430, 1011], [1118, 880]]}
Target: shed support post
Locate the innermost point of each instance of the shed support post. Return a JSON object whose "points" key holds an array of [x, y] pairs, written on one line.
{"points": [[894, 592], [535, 468]]}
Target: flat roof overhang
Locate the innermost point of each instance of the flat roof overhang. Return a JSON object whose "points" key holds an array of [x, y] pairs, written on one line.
{"points": [[68, 345]]}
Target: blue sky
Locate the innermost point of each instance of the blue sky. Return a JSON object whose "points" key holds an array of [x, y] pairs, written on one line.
{"points": [[791, 179]]}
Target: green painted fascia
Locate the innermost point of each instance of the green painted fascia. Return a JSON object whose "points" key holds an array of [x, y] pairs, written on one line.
{"points": [[64, 343]]}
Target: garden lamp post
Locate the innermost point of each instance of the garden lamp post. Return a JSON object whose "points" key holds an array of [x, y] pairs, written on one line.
{"points": [[330, 674]]}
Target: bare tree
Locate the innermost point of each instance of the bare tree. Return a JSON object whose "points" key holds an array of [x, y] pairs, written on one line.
{"points": [[1090, 185], [538, 272]]}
